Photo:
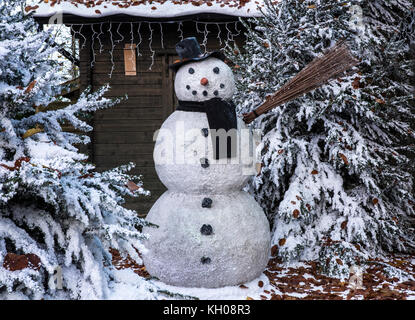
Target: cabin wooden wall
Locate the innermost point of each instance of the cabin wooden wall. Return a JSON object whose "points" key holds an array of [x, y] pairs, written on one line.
{"points": [[125, 133]]}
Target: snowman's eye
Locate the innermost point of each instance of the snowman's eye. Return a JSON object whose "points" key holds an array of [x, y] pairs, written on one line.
{"points": [[222, 86], [191, 70], [216, 70]]}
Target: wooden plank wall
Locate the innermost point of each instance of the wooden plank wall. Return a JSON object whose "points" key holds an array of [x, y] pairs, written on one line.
{"points": [[125, 132]]}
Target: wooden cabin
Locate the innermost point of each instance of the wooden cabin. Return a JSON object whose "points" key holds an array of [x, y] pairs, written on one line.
{"points": [[130, 44]]}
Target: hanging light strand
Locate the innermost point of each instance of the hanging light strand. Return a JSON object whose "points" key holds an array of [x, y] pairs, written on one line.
{"points": [[161, 36], [92, 46], [202, 32], [132, 33], [79, 32], [112, 51], [219, 33], [101, 46], [205, 37], [150, 46], [132, 41], [118, 31], [140, 40], [229, 35], [238, 32], [180, 30]]}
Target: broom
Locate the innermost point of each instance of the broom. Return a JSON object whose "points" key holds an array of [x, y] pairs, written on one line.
{"points": [[335, 61]]}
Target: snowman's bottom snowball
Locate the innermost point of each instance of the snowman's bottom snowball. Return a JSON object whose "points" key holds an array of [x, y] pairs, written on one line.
{"points": [[180, 254]]}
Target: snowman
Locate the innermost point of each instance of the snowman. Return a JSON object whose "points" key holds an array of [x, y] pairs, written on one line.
{"points": [[210, 233]]}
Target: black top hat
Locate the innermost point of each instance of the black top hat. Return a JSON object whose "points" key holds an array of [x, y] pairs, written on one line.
{"points": [[189, 50]]}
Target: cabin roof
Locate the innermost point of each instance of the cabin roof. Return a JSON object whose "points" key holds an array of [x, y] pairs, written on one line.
{"points": [[151, 9]]}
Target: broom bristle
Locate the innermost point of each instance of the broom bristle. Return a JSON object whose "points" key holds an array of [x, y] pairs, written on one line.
{"points": [[335, 61]]}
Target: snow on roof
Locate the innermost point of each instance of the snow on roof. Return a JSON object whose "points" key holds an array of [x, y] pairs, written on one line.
{"points": [[146, 8]]}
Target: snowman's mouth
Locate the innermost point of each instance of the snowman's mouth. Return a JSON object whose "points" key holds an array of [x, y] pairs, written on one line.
{"points": [[205, 92]]}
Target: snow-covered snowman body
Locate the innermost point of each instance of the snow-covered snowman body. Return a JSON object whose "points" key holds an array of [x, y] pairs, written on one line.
{"points": [[211, 233]]}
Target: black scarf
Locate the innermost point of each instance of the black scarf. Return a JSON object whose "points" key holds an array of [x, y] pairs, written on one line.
{"points": [[220, 114]]}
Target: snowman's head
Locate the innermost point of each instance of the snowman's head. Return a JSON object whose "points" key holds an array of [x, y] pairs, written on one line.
{"points": [[204, 80]]}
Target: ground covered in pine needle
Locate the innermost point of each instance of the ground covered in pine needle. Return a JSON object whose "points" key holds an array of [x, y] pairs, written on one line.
{"points": [[391, 279]]}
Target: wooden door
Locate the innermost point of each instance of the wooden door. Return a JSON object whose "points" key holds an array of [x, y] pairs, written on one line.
{"points": [[125, 132]]}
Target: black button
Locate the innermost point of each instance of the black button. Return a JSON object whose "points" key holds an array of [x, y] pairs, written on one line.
{"points": [[188, 87], [205, 132], [205, 260], [204, 163], [206, 230], [207, 203]]}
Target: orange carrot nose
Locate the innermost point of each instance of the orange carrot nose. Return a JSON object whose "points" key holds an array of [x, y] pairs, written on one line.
{"points": [[204, 81]]}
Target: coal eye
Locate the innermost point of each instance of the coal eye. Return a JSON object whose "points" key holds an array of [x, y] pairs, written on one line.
{"points": [[216, 70], [222, 86], [191, 70]]}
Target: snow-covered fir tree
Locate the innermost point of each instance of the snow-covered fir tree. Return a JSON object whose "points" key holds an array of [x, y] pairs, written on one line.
{"points": [[336, 180], [55, 210]]}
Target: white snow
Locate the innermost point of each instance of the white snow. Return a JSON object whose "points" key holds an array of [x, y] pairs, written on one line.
{"points": [[153, 10], [129, 286], [3, 51]]}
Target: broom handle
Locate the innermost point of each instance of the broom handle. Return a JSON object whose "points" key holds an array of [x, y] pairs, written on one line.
{"points": [[284, 94]]}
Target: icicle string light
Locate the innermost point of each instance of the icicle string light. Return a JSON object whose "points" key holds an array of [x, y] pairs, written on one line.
{"points": [[140, 40], [238, 32], [118, 31], [112, 51], [219, 33], [205, 37], [79, 32], [229, 35], [180, 30], [132, 42], [92, 46], [101, 46], [161, 36], [197, 28], [150, 46], [72, 31], [205, 32], [132, 33]]}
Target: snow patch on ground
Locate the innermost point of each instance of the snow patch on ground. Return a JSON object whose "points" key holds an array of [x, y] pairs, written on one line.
{"points": [[129, 286], [225, 293], [281, 281]]}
